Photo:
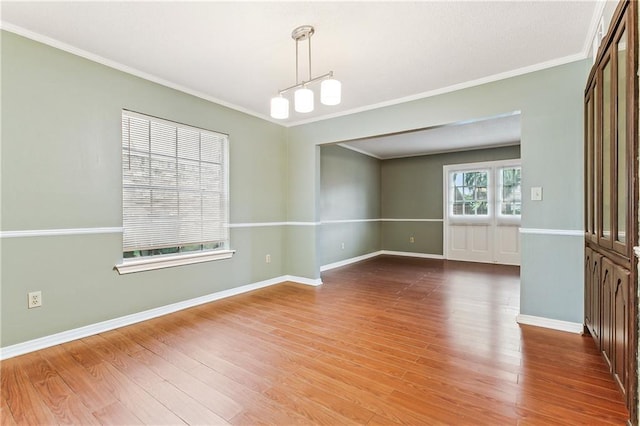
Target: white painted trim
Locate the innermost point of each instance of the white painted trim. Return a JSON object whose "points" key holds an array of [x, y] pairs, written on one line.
{"points": [[571, 327], [493, 220], [150, 77], [411, 220], [410, 254], [328, 222], [56, 232], [119, 230], [565, 232], [593, 27], [345, 262], [265, 224], [100, 327], [256, 224], [453, 88], [302, 280], [151, 263], [125, 68], [360, 151], [636, 251]]}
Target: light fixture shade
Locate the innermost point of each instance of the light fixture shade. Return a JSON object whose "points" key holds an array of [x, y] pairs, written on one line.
{"points": [[330, 92], [279, 108], [303, 99]]}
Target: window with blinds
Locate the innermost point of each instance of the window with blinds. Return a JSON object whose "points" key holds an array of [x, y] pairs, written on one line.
{"points": [[174, 187]]}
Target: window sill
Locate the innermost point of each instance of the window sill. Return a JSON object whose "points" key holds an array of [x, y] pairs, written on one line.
{"points": [[129, 266]]}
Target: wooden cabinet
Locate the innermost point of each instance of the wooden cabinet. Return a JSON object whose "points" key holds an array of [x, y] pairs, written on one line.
{"points": [[620, 335], [611, 201], [592, 294]]}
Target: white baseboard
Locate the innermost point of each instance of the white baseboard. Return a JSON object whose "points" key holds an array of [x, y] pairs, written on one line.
{"points": [[349, 261], [410, 254], [301, 280], [101, 327], [378, 253], [571, 327]]}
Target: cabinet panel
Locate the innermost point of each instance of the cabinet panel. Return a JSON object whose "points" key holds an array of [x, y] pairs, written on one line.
{"points": [[592, 294], [622, 156], [604, 236], [608, 301], [620, 336]]}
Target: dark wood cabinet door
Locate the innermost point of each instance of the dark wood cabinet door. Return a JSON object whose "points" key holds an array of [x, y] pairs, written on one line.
{"points": [[620, 316], [592, 294], [606, 320]]}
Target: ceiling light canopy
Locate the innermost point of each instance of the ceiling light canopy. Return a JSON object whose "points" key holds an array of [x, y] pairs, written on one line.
{"points": [[330, 89]]}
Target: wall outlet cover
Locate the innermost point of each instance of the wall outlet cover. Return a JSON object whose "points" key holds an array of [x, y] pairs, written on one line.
{"points": [[536, 193]]}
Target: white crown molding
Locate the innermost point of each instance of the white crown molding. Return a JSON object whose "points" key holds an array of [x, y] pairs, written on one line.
{"points": [[56, 232], [101, 327], [593, 27], [125, 68], [571, 327], [360, 151], [150, 77], [460, 86], [564, 232]]}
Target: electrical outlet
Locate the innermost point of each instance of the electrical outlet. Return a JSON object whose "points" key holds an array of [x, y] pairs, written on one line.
{"points": [[267, 258], [34, 299], [342, 246], [412, 240]]}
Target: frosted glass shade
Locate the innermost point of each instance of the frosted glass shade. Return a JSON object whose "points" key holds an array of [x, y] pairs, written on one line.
{"points": [[279, 108], [330, 92], [303, 99]]}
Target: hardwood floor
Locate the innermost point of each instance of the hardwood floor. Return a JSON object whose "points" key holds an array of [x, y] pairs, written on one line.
{"points": [[386, 341]]}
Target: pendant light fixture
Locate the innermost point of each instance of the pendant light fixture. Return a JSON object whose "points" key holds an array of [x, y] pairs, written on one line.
{"points": [[303, 99]]}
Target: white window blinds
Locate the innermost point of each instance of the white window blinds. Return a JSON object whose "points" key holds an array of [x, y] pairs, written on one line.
{"points": [[174, 185]]}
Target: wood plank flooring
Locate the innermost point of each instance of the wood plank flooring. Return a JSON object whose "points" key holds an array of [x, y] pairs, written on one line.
{"points": [[383, 342]]}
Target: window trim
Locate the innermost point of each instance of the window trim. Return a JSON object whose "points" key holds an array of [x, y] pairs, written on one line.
{"points": [[479, 219], [506, 219], [494, 215], [150, 263]]}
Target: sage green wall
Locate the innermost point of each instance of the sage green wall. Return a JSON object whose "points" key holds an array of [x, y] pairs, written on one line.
{"points": [[349, 190], [550, 101], [61, 168], [61, 164], [412, 189]]}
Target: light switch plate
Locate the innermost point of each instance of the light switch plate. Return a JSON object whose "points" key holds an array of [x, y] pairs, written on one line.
{"points": [[536, 193]]}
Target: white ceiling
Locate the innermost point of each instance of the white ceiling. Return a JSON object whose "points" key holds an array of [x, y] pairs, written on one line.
{"points": [[240, 53], [483, 133]]}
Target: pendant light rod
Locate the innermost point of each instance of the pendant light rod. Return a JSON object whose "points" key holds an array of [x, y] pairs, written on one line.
{"points": [[330, 90], [304, 83]]}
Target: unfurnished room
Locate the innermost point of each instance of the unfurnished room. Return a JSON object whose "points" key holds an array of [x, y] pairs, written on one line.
{"points": [[282, 213]]}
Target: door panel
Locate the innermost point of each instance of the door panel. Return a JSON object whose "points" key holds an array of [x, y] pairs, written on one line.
{"points": [[507, 245], [483, 203], [470, 242]]}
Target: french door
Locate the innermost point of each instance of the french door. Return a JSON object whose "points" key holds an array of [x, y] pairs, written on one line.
{"points": [[482, 210]]}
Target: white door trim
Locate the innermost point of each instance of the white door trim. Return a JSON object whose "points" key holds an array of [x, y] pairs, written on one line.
{"points": [[493, 166]]}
